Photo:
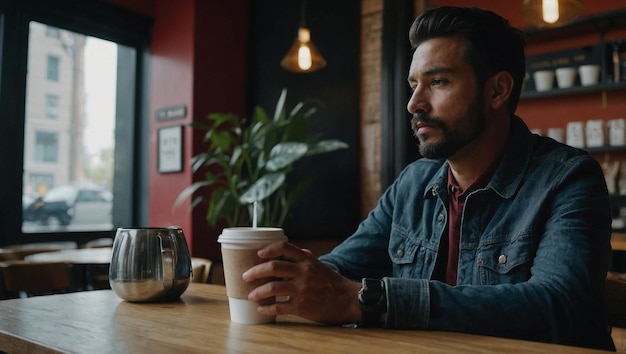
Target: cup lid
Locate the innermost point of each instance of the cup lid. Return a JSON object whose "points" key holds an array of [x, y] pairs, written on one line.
{"points": [[251, 234]]}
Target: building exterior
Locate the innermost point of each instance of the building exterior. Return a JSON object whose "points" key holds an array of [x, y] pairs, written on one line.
{"points": [[53, 152]]}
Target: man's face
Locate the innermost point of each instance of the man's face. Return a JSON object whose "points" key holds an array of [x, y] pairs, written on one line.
{"points": [[447, 107]]}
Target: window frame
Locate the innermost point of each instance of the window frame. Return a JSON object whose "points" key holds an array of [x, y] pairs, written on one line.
{"points": [[52, 106], [43, 146], [97, 19]]}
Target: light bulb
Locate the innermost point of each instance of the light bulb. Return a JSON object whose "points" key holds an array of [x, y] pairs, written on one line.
{"points": [[304, 57], [550, 10]]}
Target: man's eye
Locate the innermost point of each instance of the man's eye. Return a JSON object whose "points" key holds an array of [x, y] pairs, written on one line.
{"points": [[437, 82]]}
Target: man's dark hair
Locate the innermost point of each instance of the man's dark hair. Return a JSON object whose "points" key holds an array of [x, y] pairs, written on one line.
{"points": [[492, 45]]}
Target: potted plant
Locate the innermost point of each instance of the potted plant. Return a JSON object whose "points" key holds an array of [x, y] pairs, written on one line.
{"points": [[246, 164]]}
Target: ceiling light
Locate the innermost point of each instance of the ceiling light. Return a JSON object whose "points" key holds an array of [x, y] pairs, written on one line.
{"points": [[303, 56], [550, 13]]}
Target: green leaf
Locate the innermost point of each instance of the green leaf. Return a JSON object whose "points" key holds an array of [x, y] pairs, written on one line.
{"points": [[296, 129], [296, 109], [198, 161], [324, 146], [280, 106], [258, 134], [221, 205], [236, 156], [311, 111], [260, 162], [210, 177], [263, 188], [188, 192], [285, 154], [221, 118]]}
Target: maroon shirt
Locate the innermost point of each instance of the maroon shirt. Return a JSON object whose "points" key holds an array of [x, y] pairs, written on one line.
{"points": [[456, 202]]}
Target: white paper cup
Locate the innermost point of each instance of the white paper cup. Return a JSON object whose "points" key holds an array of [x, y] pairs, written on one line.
{"points": [[565, 77], [589, 74], [557, 134], [239, 246], [544, 80]]}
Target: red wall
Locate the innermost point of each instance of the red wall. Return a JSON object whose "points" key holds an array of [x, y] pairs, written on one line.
{"points": [[198, 59], [172, 51], [219, 85]]}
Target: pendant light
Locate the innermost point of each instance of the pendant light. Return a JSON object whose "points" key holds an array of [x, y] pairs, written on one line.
{"points": [[550, 13], [303, 56]]}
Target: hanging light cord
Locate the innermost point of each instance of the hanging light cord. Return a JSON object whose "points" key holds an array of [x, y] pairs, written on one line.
{"points": [[303, 14]]}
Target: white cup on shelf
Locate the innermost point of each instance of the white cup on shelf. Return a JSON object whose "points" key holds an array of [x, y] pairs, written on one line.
{"points": [[589, 74], [544, 80], [565, 77]]}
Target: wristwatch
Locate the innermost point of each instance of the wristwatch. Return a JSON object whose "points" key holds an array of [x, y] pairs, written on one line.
{"points": [[373, 302]]}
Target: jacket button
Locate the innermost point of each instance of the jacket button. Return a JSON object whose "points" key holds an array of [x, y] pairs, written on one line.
{"points": [[502, 259], [400, 253], [440, 218]]}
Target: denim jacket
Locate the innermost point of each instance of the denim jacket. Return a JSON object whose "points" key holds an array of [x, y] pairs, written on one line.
{"points": [[534, 247]]}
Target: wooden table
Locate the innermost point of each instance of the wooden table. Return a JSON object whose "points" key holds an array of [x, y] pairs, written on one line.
{"points": [[90, 265], [86, 256], [100, 322]]}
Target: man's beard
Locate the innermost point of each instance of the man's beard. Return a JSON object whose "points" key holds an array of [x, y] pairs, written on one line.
{"points": [[465, 129]]}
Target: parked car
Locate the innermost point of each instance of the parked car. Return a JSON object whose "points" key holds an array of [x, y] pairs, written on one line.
{"points": [[76, 205], [30, 205]]}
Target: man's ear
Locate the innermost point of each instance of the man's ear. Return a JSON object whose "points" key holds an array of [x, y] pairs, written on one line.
{"points": [[499, 87]]}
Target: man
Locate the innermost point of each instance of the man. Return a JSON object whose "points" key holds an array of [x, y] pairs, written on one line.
{"points": [[495, 231]]}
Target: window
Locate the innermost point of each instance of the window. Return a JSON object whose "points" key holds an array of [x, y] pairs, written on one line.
{"points": [[52, 106], [52, 32], [53, 68], [82, 149], [46, 147], [88, 77]]}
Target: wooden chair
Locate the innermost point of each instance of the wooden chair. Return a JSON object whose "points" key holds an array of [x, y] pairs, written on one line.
{"points": [[61, 245], [201, 268], [615, 297], [23, 279], [14, 254]]}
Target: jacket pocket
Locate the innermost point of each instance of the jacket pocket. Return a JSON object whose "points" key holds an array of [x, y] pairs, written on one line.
{"points": [[407, 256], [504, 261]]}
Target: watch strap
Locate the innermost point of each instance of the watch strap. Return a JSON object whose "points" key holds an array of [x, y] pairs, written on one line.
{"points": [[372, 301]]}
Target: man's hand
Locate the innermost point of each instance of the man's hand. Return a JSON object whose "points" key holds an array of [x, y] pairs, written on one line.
{"points": [[315, 291]]}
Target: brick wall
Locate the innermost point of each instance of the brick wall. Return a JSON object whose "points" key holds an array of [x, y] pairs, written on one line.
{"points": [[371, 63]]}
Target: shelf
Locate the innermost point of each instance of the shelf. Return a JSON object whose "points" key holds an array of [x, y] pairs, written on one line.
{"points": [[573, 90], [598, 23], [606, 148]]}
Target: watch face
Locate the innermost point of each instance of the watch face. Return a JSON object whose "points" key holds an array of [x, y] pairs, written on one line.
{"points": [[371, 293]]}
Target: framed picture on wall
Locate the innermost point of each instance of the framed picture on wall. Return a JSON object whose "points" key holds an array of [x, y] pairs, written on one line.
{"points": [[170, 149]]}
